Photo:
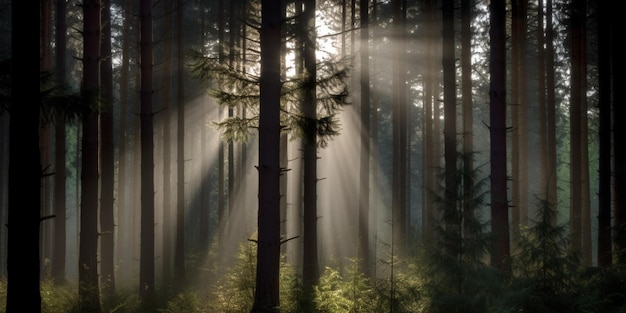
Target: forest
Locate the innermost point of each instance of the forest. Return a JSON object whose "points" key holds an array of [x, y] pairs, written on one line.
{"points": [[328, 156]]}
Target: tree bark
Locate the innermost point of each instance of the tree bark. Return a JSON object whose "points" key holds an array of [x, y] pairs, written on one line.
{"points": [[266, 297], [146, 268], [497, 131], [166, 255], [89, 289], [364, 192], [467, 105], [107, 217], [58, 260], [604, 245], [310, 262], [576, 112], [619, 133], [23, 271], [179, 248], [399, 129]]}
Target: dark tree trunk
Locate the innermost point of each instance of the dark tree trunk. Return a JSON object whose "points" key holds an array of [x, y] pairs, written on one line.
{"points": [[497, 130], [23, 272], [179, 248], [449, 110], [430, 154], [541, 99], [551, 111], [45, 64], [89, 289], [146, 267], [221, 207], [576, 112], [519, 118], [107, 217], [122, 221], [266, 297], [310, 265], [399, 121], [58, 260], [604, 246], [364, 192], [619, 133], [166, 255], [468, 117]]}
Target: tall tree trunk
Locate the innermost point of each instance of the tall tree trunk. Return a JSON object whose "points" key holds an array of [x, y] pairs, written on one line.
{"points": [[221, 207], [266, 297], [585, 201], [449, 109], [399, 118], [519, 116], [122, 221], [551, 112], [619, 133], [310, 266], [179, 248], [468, 117], [45, 64], [58, 260], [430, 154], [497, 131], [204, 224], [166, 255], [604, 245], [541, 99], [364, 192], [107, 217], [146, 267], [89, 289], [576, 112], [23, 272]]}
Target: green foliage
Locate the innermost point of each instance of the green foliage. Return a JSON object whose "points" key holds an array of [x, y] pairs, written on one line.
{"points": [[236, 88], [234, 291], [186, 302], [546, 277], [338, 294], [457, 278], [124, 301], [57, 299], [404, 292]]}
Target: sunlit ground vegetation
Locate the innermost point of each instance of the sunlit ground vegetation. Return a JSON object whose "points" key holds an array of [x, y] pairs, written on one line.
{"points": [[450, 275], [548, 282]]}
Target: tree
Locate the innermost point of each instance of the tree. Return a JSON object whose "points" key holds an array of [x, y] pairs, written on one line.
{"points": [[146, 267], [123, 130], [310, 261], [107, 155], [578, 114], [497, 132], [399, 121], [551, 143], [89, 287], [619, 131], [467, 105], [179, 247], [604, 245], [266, 297], [167, 209], [364, 191], [24, 172], [519, 119], [449, 107], [59, 251], [431, 155]]}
